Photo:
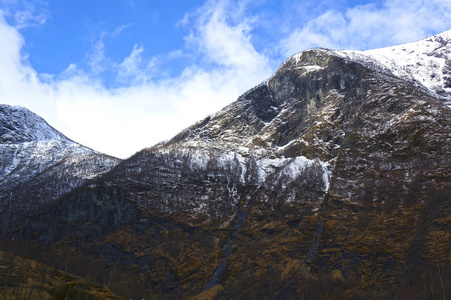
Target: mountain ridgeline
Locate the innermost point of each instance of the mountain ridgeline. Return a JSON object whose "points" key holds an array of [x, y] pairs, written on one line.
{"points": [[331, 179], [38, 163]]}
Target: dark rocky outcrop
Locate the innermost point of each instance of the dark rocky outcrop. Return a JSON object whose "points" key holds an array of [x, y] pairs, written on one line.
{"points": [[85, 215]]}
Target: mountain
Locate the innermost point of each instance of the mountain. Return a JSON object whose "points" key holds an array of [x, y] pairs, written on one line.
{"points": [[38, 164], [328, 180]]}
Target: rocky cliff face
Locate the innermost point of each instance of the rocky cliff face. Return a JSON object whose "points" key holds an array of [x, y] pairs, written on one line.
{"points": [[330, 179], [38, 164]]}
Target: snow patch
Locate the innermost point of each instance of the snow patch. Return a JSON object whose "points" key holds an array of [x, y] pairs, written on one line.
{"points": [[297, 166]]}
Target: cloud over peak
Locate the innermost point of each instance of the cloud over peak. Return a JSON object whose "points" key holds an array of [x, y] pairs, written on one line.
{"points": [[371, 26]]}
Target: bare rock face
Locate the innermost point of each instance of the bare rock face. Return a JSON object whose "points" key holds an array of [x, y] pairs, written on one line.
{"points": [[330, 179]]}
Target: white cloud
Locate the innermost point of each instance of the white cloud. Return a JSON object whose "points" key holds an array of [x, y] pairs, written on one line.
{"points": [[17, 79], [223, 32], [134, 69], [371, 26], [121, 121]]}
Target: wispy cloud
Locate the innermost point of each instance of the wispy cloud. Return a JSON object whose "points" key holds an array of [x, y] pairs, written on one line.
{"points": [[96, 58], [120, 29], [134, 69], [26, 13], [223, 32]]}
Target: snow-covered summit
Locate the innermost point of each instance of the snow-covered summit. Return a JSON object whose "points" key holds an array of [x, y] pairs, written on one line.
{"points": [[18, 124], [428, 62], [38, 163]]}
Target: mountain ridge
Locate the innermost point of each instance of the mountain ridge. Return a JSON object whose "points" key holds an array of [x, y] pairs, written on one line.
{"points": [[39, 162], [21, 125]]}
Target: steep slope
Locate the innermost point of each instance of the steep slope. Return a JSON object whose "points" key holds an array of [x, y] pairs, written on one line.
{"points": [[328, 180], [427, 62], [38, 164]]}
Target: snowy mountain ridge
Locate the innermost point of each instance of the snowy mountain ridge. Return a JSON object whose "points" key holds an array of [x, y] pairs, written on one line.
{"points": [[38, 163], [18, 124], [427, 62]]}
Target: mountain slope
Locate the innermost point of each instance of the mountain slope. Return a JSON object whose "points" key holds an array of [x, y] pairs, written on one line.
{"points": [[328, 180], [27, 279], [38, 164]]}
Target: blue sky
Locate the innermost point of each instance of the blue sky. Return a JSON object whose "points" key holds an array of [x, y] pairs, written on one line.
{"points": [[118, 76]]}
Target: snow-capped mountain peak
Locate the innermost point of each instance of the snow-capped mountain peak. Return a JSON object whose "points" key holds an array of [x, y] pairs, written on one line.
{"points": [[18, 124], [427, 62], [38, 163]]}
